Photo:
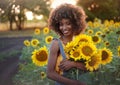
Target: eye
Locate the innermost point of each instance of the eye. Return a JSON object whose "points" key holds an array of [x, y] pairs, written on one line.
{"points": [[68, 23], [61, 24]]}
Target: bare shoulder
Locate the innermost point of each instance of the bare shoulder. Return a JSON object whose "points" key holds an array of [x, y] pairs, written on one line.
{"points": [[54, 44]]}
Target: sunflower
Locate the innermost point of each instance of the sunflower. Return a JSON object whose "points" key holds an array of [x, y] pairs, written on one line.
{"points": [[118, 32], [42, 75], [46, 30], [96, 39], [37, 31], [98, 33], [87, 50], [70, 46], [40, 56], [75, 54], [118, 50], [26, 42], [48, 39], [118, 39], [90, 23], [103, 35], [106, 56], [107, 43], [94, 62], [90, 32], [96, 24], [82, 38], [35, 42]]}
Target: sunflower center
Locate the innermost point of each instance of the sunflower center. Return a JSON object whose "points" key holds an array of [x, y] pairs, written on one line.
{"points": [[107, 43], [49, 39], [119, 52], [95, 38], [84, 40], [76, 54], [104, 55], [34, 42], [118, 32], [87, 50], [103, 36], [92, 62], [90, 31], [42, 74], [41, 56]]}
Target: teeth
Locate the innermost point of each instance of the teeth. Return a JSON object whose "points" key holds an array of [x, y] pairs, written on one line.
{"points": [[65, 31]]}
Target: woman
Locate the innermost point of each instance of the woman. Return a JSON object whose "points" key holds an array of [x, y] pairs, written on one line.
{"points": [[67, 21]]}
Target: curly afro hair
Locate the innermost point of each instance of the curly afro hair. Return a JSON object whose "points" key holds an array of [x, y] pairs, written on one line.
{"points": [[75, 14]]}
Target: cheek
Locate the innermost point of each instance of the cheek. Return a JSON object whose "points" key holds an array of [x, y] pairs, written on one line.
{"points": [[71, 28], [60, 28]]}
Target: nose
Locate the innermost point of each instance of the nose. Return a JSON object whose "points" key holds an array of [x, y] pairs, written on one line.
{"points": [[64, 27]]}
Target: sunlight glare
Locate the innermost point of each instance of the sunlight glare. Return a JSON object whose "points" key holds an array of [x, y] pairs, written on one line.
{"points": [[29, 15], [39, 17], [59, 2]]}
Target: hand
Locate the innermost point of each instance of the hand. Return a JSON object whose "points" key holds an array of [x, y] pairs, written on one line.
{"points": [[80, 65], [66, 65]]}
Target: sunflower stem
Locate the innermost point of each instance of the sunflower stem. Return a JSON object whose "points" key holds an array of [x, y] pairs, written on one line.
{"points": [[77, 74]]}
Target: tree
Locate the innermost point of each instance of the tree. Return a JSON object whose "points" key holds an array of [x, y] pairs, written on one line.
{"points": [[37, 6], [103, 9], [14, 10]]}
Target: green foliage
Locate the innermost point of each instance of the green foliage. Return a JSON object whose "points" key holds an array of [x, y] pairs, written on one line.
{"points": [[106, 75], [30, 75]]}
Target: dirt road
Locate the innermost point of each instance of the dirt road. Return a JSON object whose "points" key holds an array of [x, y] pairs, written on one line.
{"points": [[11, 49]]}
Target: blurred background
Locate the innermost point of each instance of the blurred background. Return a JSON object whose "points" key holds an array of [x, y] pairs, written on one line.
{"points": [[23, 14]]}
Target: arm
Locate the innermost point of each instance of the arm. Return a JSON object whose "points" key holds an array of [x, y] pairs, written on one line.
{"points": [[51, 73], [67, 64]]}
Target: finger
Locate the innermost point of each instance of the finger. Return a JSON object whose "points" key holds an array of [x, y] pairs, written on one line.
{"points": [[63, 60], [63, 67]]}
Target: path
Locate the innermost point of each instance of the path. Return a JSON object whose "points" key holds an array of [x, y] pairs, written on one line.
{"points": [[11, 49]]}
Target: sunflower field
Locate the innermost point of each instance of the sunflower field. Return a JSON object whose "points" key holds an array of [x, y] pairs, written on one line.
{"points": [[105, 36]]}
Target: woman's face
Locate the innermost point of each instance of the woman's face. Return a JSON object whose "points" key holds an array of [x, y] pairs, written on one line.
{"points": [[66, 27]]}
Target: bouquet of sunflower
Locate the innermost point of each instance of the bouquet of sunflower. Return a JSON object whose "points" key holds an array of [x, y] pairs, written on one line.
{"points": [[83, 49]]}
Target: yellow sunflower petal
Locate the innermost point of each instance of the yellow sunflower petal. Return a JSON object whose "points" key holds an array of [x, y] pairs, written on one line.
{"points": [[82, 38], [70, 46], [118, 49]]}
